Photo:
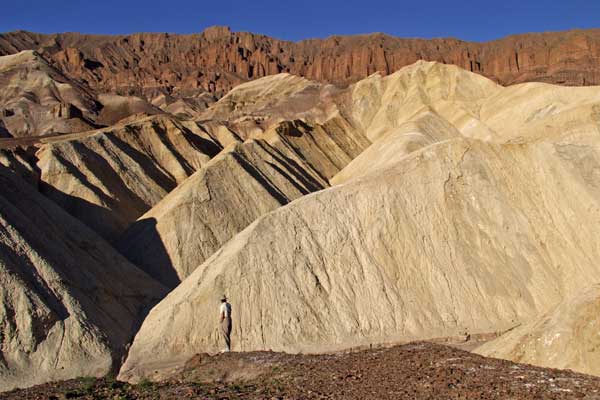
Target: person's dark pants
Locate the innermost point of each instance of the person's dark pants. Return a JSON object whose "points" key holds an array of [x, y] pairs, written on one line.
{"points": [[226, 332]]}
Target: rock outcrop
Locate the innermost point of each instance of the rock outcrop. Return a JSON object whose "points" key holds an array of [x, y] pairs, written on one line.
{"points": [[69, 303], [565, 337], [216, 60]]}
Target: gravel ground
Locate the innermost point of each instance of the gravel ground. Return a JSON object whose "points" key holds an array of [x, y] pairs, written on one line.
{"points": [[412, 371]]}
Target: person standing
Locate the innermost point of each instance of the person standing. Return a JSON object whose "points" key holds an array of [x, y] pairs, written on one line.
{"points": [[225, 319]]}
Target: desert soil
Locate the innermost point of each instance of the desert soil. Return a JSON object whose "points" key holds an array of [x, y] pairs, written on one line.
{"points": [[412, 371]]}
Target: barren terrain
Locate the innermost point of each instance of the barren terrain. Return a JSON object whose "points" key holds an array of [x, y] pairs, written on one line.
{"points": [[413, 371]]}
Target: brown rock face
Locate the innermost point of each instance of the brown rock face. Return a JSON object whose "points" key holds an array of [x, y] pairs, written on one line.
{"points": [[217, 59]]}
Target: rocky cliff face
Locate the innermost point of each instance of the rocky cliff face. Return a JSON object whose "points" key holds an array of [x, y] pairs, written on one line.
{"points": [[217, 59]]}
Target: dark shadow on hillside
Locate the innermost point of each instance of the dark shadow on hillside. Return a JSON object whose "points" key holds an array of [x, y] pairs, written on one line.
{"points": [[263, 180], [281, 172], [101, 220], [146, 163], [142, 245], [292, 166], [139, 241]]}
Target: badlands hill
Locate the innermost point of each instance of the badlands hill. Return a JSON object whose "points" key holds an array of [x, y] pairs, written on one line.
{"points": [[245, 181], [188, 67], [564, 337], [108, 178], [430, 202], [69, 302], [38, 99], [474, 210]]}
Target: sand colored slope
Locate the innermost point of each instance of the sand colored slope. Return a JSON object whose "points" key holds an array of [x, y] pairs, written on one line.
{"points": [[327, 147], [380, 104], [116, 108], [245, 181], [459, 236], [282, 93], [108, 178], [37, 99], [428, 102], [69, 306], [242, 183], [425, 128], [362, 113], [254, 107], [450, 221], [565, 337]]}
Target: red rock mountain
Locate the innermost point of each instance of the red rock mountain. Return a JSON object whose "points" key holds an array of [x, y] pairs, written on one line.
{"points": [[218, 59]]}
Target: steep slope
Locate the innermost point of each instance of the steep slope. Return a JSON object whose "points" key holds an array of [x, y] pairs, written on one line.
{"points": [[565, 337], [327, 147], [116, 108], [429, 102], [336, 125], [216, 60], [253, 107], [108, 178], [69, 306], [242, 183], [460, 236], [424, 128], [184, 107], [37, 99], [379, 104]]}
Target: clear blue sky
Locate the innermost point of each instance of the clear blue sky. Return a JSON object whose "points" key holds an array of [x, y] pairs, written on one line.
{"points": [[295, 20]]}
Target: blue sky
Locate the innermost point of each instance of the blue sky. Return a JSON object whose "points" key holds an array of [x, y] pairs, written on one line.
{"points": [[295, 20]]}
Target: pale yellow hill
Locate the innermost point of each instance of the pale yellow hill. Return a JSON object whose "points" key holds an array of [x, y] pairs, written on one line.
{"points": [[566, 337], [242, 183], [245, 181], [459, 236], [446, 101], [451, 221]]}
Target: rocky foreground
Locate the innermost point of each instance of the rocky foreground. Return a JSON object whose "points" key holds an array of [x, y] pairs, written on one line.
{"points": [[414, 371]]}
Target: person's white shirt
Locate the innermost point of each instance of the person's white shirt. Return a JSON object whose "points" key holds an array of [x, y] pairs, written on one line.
{"points": [[225, 310]]}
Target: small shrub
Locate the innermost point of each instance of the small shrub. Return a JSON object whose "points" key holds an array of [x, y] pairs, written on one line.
{"points": [[146, 384], [72, 394], [87, 384]]}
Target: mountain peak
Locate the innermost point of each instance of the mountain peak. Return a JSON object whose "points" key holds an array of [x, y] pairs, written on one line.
{"points": [[216, 31]]}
